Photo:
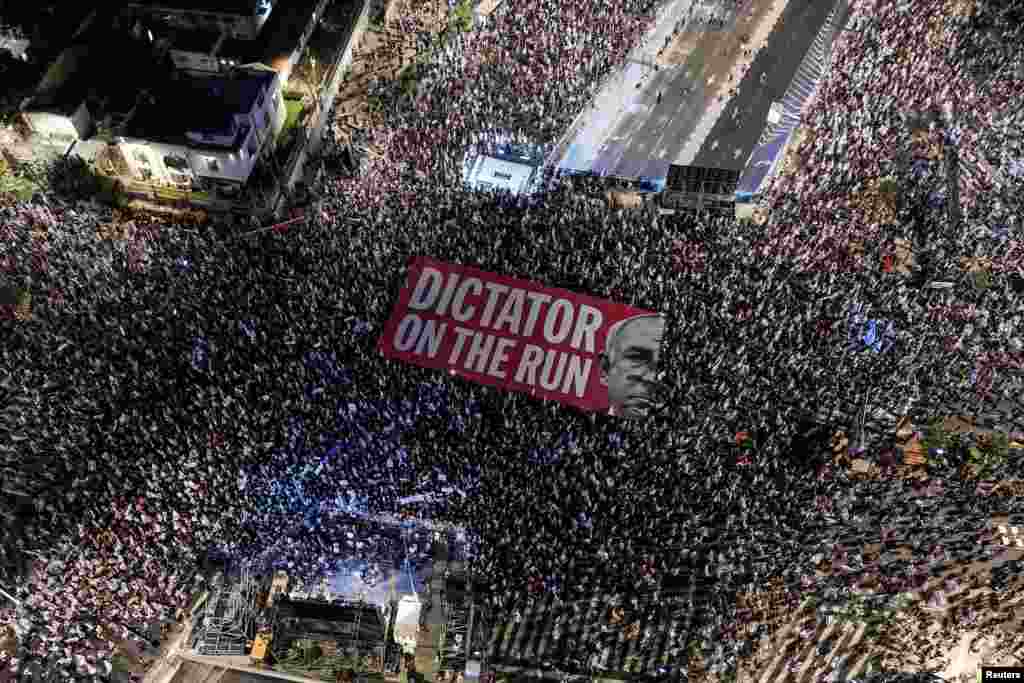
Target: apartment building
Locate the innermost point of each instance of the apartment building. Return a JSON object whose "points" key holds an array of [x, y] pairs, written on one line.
{"points": [[176, 94], [238, 18], [203, 43], [203, 134], [150, 122]]}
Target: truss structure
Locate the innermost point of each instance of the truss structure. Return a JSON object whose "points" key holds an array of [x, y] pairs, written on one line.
{"points": [[454, 635], [229, 617], [343, 630]]}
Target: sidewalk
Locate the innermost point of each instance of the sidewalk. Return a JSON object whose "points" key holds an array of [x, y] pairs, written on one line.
{"points": [[166, 666], [300, 171], [241, 663]]}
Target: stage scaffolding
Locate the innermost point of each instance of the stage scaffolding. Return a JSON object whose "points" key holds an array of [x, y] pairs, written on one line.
{"points": [[350, 634], [454, 636], [229, 618], [463, 636]]}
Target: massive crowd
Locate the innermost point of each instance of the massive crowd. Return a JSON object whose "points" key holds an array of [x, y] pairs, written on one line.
{"points": [[182, 391], [889, 78]]}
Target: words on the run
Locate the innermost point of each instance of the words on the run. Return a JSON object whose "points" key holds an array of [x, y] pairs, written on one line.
{"points": [[523, 336]]}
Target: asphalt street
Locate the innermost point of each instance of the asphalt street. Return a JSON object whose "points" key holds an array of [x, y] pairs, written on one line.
{"points": [[652, 135], [780, 59]]}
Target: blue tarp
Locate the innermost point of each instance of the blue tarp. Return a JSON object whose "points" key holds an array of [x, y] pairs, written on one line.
{"points": [[866, 333]]}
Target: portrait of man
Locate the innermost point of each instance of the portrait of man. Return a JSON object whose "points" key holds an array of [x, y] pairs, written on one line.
{"points": [[630, 365]]}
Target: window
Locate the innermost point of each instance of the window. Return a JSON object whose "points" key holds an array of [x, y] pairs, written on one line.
{"points": [[503, 176], [179, 163], [259, 100], [266, 119], [213, 164], [140, 157]]}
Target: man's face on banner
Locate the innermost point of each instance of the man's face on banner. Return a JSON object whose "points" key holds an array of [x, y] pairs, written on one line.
{"points": [[630, 366]]}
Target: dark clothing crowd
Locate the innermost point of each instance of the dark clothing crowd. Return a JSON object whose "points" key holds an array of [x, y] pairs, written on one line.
{"points": [[175, 390]]}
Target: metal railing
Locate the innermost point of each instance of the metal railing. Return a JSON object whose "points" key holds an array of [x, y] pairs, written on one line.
{"points": [[803, 90], [227, 620]]}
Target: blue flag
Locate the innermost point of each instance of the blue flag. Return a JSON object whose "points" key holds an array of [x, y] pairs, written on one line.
{"points": [[201, 354]]}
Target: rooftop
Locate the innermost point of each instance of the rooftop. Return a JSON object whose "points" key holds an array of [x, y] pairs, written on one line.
{"points": [[243, 8], [278, 37], [327, 611], [303, 618], [20, 76], [212, 104], [84, 70]]}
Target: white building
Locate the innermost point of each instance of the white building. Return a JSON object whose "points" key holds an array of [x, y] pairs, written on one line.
{"points": [[216, 141], [173, 96], [187, 132]]}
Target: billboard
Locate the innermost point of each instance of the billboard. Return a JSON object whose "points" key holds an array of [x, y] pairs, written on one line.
{"points": [[523, 336]]}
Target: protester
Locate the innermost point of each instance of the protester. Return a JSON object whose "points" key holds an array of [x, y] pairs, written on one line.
{"points": [[186, 393]]}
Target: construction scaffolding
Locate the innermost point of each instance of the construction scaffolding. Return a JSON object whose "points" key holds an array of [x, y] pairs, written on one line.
{"points": [[322, 638], [459, 644], [454, 636], [229, 619]]}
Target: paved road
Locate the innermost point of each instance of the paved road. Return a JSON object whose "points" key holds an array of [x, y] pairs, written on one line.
{"points": [[649, 136], [780, 59]]}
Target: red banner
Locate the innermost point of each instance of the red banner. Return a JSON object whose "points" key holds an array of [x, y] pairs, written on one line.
{"points": [[522, 336]]}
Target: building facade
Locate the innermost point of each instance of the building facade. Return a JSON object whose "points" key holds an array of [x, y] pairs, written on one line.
{"points": [[200, 117], [236, 122], [238, 18]]}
